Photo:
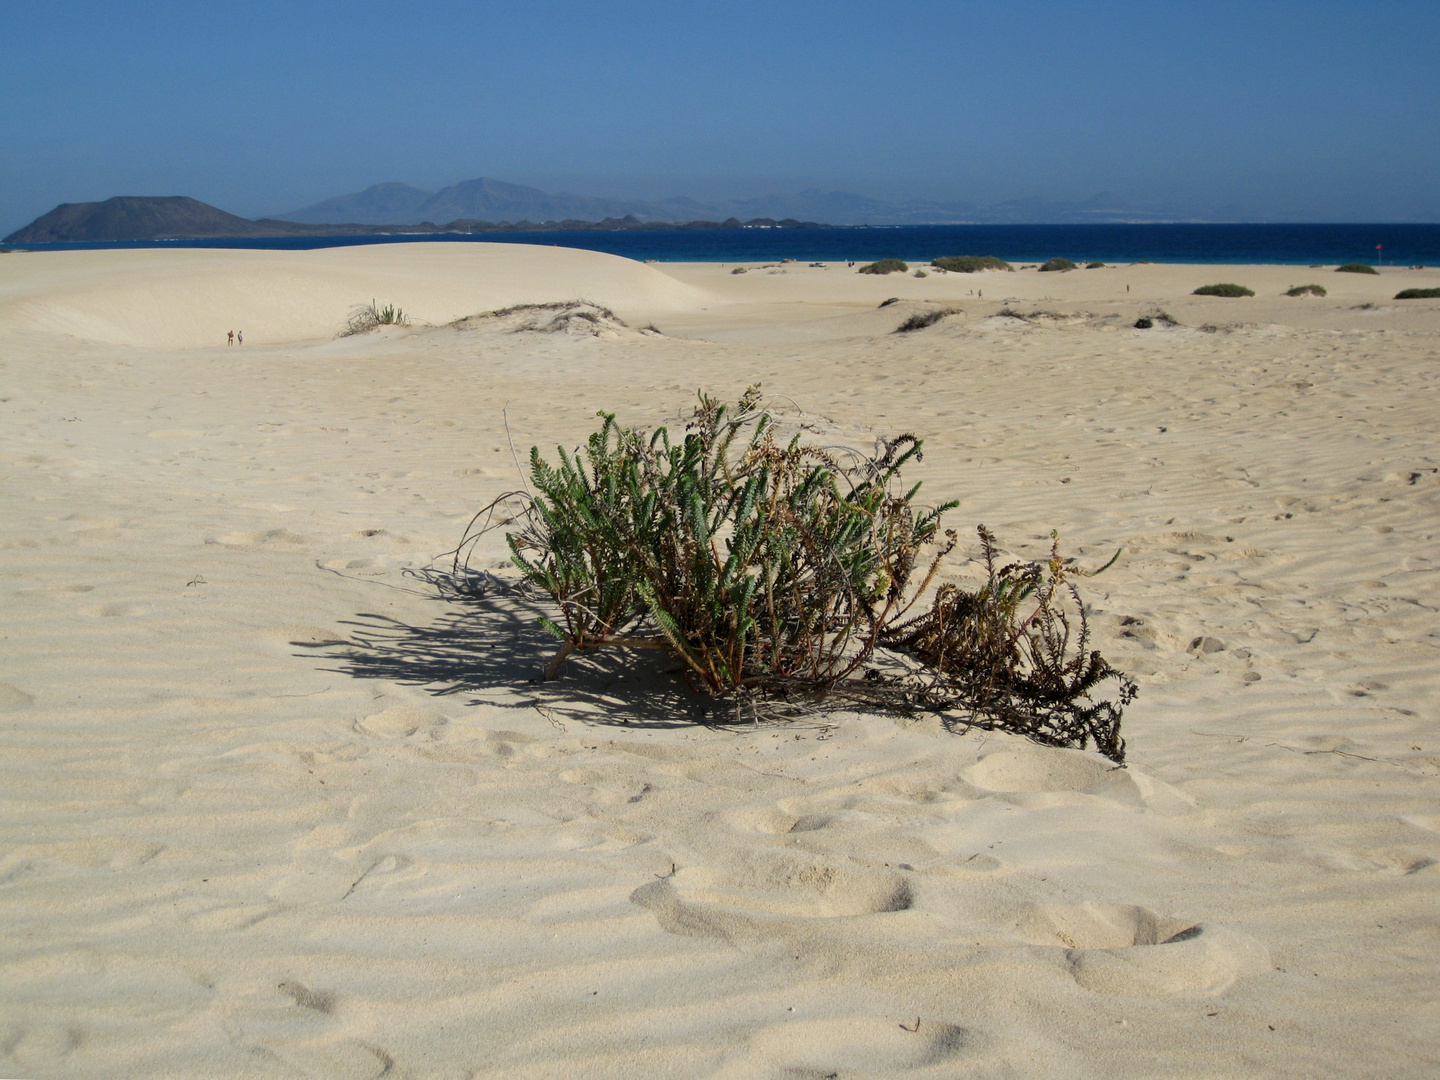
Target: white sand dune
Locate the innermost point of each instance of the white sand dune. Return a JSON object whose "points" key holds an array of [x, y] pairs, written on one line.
{"points": [[194, 297], [273, 808]]}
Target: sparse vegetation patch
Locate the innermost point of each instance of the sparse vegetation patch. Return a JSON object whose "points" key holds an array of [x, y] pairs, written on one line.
{"points": [[969, 264], [1225, 288], [1094, 265], [788, 577], [1418, 294], [921, 319], [1057, 264], [1305, 290], [884, 266], [367, 317], [1356, 268]]}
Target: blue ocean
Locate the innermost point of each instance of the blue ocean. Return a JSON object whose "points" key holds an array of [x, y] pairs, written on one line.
{"points": [[1393, 244]]}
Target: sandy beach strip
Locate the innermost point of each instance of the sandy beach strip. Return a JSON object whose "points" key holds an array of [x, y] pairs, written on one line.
{"points": [[273, 807]]}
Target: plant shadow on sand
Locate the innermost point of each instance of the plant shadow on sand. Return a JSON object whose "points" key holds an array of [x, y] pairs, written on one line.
{"points": [[489, 643]]}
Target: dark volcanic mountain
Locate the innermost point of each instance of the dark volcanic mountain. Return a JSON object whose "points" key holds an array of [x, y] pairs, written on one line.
{"points": [[136, 217]]}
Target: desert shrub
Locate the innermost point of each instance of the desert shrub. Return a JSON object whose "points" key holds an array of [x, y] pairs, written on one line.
{"points": [[884, 266], [970, 264], [739, 270], [921, 273], [1418, 294], [1225, 288], [1051, 265], [921, 319], [1094, 265], [1305, 290], [1143, 323], [1356, 268], [777, 571], [367, 317], [1015, 652]]}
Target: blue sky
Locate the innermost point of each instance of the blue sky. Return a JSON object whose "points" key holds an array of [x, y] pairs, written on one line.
{"points": [[1312, 111]]}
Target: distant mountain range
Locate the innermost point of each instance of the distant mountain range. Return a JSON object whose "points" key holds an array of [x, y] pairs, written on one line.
{"points": [[175, 217], [486, 205], [485, 199]]}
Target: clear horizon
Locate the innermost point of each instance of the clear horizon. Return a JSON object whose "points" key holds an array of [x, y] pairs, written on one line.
{"points": [[1320, 112]]}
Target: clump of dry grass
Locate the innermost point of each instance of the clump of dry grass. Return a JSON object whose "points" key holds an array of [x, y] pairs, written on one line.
{"points": [[366, 317], [558, 316], [921, 319], [779, 571]]}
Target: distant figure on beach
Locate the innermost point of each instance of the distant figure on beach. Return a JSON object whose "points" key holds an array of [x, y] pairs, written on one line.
{"points": [[240, 336], [230, 338]]}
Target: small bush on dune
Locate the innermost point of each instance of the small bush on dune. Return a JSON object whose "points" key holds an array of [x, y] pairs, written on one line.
{"points": [[367, 317], [779, 572], [1356, 268], [1305, 290], [1143, 323], [1224, 289], [920, 320], [921, 273], [1418, 294], [739, 270], [969, 264], [1052, 265], [884, 266], [1094, 265]]}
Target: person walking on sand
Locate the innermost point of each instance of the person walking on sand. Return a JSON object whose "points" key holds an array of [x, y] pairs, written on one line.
{"points": [[230, 338], [240, 336]]}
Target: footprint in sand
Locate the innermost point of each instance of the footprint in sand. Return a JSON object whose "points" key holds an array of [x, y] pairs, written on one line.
{"points": [[1128, 949], [771, 884], [402, 721], [1043, 769], [279, 539], [849, 1046]]}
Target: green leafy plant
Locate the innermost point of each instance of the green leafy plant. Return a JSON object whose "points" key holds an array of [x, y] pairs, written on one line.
{"points": [[1356, 268], [775, 569], [1306, 290], [884, 266], [970, 264], [1057, 264], [1418, 294], [1225, 288]]}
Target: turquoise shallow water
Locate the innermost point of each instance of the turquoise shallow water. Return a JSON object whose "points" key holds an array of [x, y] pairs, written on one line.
{"points": [[1402, 244]]}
